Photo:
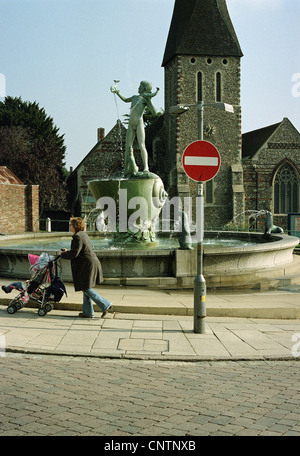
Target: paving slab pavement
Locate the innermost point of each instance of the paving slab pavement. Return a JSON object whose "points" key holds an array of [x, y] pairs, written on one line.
{"points": [[158, 324], [280, 303], [148, 336]]}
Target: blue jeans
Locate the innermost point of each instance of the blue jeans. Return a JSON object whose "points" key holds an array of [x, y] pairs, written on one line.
{"points": [[13, 286], [90, 295]]}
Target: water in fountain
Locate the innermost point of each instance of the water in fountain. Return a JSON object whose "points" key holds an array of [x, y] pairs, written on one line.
{"points": [[119, 123], [238, 221]]}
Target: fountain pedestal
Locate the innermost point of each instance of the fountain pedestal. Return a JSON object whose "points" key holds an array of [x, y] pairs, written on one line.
{"points": [[130, 206]]}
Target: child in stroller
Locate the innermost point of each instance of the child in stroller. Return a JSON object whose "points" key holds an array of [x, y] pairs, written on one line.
{"points": [[44, 287]]}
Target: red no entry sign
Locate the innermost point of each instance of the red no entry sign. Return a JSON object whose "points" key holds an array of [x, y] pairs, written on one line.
{"points": [[201, 161]]}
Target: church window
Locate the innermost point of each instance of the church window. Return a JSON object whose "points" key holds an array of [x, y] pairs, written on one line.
{"points": [[209, 61], [286, 190], [218, 87], [224, 61], [199, 86], [193, 60]]}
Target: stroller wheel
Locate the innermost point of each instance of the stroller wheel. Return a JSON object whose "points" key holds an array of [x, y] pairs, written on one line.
{"points": [[49, 306], [19, 305], [12, 309], [42, 312]]}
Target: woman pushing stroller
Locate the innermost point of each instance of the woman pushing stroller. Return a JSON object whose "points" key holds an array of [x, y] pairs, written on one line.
{"points": [[86, 269]]}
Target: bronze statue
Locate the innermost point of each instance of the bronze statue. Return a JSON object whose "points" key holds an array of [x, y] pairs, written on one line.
{"points": [[136, 125]]}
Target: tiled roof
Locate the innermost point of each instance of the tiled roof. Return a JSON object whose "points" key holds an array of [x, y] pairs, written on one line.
{"points": [[254, 140], [8, 177], [201, 27]]}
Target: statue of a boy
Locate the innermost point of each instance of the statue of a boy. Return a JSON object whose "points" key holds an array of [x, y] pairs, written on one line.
{"points": [[136, 125]]}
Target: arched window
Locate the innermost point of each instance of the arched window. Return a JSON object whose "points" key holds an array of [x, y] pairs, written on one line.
{"points": [[286, 190]]}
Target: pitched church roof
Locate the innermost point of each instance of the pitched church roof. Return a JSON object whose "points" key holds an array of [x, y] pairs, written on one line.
{"points": [[121, 131], [254, 140], [201, 27]]}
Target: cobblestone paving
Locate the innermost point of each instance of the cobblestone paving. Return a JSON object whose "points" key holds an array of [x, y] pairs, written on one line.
{"points": [[56, 396]]}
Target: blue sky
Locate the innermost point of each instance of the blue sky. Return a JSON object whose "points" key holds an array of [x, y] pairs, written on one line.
{"points": [[65, 54]]}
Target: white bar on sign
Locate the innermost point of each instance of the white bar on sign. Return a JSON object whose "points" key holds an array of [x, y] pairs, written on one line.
{"points": [[201, 161]]}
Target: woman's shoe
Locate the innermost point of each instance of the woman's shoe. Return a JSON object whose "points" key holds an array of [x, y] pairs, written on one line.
{"points": [[106, 311], [81, 315]]}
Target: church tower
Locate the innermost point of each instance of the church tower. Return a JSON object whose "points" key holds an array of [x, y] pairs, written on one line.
{"points": [[202, 62]]}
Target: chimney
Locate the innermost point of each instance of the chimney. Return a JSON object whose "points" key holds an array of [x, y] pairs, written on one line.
{"points": [[101, 133]]}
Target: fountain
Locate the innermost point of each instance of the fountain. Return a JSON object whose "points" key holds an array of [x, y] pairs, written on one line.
{"points": [[118, 198], [265, 262], [129, 207]]}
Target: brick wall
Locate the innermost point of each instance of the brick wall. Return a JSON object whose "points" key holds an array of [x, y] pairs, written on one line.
{"points": [[32, 208], [19, 208]]}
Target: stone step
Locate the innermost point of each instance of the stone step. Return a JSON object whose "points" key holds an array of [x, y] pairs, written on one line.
{"points": [[289, 280]]}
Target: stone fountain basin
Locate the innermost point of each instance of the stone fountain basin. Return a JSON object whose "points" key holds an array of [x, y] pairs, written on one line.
{"points": [[268, 252], [262, 265]]}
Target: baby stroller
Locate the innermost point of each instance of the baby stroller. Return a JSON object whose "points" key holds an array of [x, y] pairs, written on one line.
{"points": [[44, 287]]}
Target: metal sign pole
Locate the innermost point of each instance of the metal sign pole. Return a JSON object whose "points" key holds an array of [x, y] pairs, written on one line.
{"points": [[210, 161], [199, 282]]}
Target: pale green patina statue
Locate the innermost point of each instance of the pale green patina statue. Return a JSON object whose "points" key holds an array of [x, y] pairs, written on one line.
{"points": [[136, 125], [132, 203]]}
